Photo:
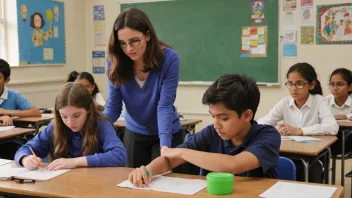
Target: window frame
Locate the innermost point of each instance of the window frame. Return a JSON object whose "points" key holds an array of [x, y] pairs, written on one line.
{"points": [[2, 31]]}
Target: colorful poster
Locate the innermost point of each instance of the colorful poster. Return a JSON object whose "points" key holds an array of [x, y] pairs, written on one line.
{"points": [[307, 15], [334, 24], [289, 4], [289, 36], [41, 32], [307, 35], [290, 50], [254, 41], [99, 25], [98, 62], [257, 11], [306, 2]]}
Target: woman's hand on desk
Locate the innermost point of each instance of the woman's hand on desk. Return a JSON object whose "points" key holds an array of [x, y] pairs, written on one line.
{"points": [[6, 120], [140, 177], [62, 163], [31, 162]]}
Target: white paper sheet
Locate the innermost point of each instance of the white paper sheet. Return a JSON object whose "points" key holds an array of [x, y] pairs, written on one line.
{"points": [[295, 190], [6, 128], [5, 161], [171, 184], [304, 139], [23, 173]]}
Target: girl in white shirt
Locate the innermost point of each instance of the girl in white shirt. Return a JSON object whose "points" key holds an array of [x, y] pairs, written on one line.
{"points": [[306, 111], [87, 80], [340, 101]]}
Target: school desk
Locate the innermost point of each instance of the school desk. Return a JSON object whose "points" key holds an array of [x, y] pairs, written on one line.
{"points": [[189, 124], [36, 122], [101, 182], [14, 134], [343, 126], [309, 153]]}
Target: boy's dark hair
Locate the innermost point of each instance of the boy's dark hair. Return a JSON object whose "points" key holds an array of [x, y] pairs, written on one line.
{"points": [[5, 69], [237, 92], [307, 71], [346, 74]]}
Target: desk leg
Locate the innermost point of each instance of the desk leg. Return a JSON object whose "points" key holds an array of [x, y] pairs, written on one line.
{"points": [[333, 173], [327, 166], [306, 169], [343, 159]]}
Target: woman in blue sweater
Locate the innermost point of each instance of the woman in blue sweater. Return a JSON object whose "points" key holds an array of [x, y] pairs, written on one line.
{"points": [[143, 72], [79, 136]]}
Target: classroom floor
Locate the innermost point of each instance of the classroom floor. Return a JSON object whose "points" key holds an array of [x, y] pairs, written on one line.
{"points": [[348, 168]]}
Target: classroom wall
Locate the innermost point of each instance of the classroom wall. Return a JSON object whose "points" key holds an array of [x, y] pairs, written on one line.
{"points": [[41, 83], [325, 58]]}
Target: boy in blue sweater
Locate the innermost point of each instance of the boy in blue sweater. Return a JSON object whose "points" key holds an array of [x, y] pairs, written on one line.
{"points": [[235, 141], [12, 104]]}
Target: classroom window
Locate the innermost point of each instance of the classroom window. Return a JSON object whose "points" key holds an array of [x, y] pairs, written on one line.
{"points": [[2, 30]]}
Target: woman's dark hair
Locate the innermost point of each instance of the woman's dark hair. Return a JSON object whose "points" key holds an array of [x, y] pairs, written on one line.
{"points": [[307, 71], [72, 76], [121, 69], [32, 20], [90, 78], [346, 74]]}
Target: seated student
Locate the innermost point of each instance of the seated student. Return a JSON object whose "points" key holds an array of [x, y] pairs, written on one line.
{"points": [[87, 80], [235, 141], [340, 102], [79, 135], [305, 112], [12, 104]]}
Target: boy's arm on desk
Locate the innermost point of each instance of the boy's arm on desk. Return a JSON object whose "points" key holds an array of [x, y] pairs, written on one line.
{"points": [[31, 112]]}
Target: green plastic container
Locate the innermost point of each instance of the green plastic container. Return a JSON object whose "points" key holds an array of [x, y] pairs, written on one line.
{"points": [[220, 183]]}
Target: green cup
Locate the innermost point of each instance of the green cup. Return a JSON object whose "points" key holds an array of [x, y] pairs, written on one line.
{"points": [[220, 183]]}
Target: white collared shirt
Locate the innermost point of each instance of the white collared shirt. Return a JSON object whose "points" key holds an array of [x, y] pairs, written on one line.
{"points": [[4, 95], [346, 108], [314, 117], [99, 99]]}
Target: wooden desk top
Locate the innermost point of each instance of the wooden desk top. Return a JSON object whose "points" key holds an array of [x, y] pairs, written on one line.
{"points": [[101, 182], [122, 123], [310, 149], [32, 119], [15, 132], [345, 124]]}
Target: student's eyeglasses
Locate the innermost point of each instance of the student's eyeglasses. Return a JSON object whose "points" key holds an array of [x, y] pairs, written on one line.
{"points": [[134, 42], [338, 84], [298, 85]]}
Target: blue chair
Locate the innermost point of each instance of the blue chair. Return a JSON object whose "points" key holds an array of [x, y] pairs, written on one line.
{"points": [[286, 169]]}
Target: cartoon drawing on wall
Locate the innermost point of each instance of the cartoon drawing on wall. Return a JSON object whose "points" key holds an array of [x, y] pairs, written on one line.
{"points": [[56, 12], [334, 24], [257, 11], [37, 23], [24, 12], [41, 40]]}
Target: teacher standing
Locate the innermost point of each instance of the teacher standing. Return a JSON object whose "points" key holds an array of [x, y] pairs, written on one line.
{"points": [[143, 72]]}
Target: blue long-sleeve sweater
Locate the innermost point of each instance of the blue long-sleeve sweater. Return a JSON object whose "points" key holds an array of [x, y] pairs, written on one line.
{"points": [[111, 150], [150, 110]]}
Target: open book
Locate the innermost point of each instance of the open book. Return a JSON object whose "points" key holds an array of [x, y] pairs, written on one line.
{"points": [[23, 173]]}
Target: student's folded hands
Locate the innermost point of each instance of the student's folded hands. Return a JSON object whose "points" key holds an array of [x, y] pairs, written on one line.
{"points": [[31, 162], [62, 163], [6, 120], [140, 177], [288, 130]]}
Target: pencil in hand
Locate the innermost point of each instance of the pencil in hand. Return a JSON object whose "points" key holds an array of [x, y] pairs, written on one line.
{"points": [[40, 163]]}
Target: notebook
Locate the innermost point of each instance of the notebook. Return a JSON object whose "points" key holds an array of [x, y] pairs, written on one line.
{"points": [[23, 173], [5, 161], [304, 139], [6, 128]]}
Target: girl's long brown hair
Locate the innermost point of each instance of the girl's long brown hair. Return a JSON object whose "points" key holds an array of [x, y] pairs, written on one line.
{"points": [[75, 94], [121, 69]]}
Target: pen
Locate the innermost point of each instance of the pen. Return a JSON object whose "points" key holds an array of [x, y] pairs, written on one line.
{"points": [[147, 172], [22, 181], [40, 164]]}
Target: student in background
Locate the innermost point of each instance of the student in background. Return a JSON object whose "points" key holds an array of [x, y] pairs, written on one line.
{"points": [[235, 143], [87, 80], [143, 73], [305, 112], [12, 104], [340, 101], [79, 135]]}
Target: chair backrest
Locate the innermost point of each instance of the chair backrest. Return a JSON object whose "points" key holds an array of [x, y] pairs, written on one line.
{"points": [[286, 169]]}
